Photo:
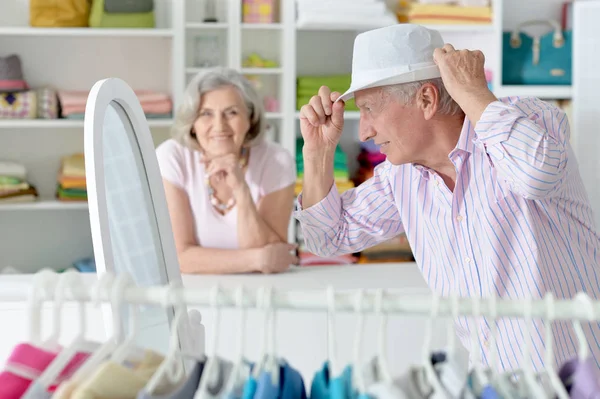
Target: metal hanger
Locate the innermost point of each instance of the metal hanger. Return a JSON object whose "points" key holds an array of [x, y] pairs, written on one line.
{"points": [[42, 288], [241, 331], [480, 379], [267, 360], [101, 287], [382, 363], [499, 380], [334, 371], [529, 381], [358, 380], [211, 370], [430, 375], [171, 368], [128, 346], [67, 283]]}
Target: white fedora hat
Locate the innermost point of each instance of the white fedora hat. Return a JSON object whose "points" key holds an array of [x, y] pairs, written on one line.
{"points": [[400, 53]]}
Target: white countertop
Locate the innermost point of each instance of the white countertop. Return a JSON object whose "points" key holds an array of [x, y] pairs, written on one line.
{"points": [[345, 277]]}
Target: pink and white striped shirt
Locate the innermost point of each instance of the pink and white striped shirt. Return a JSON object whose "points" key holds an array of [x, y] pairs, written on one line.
{"points": [[518, 223]]}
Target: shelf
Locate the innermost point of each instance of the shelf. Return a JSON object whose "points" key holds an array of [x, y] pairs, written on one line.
{"points": [[63, 123], [350, 115], [273, 26], [463, 28], [87, 32], [543, 92], [262, 71], [44, 205], [206, 25], [310, 26]]}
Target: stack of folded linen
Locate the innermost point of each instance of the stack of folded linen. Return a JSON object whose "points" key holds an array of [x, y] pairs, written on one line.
{"points": [[308, 86], [71, 179], [432, 12], [340, 168], [358, 13], [13, 184], [155, 105]]}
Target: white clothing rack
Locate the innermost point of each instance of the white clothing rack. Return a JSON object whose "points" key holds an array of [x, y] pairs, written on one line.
{"points": [[582, 307]]}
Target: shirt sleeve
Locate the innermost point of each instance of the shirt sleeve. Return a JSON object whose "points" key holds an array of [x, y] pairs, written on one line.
{"points": [[280, 171], [527, 141], [170, 162], [359, 218]]}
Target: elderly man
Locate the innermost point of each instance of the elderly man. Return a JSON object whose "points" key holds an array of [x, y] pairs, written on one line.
{"points": [[487, 190]]}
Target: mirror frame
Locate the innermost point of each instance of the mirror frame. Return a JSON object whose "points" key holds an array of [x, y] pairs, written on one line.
{"points": [[102, 94]]}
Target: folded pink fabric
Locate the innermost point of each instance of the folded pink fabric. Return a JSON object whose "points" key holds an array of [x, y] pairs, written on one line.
{"points": [[26, 363], [73, 102]]}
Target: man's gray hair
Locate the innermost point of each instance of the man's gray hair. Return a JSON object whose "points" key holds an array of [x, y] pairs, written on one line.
{"points": [[214, 79], [406, 93]]}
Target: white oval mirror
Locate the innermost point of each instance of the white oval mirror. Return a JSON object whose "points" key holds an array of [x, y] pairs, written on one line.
{"points": [[131, 229]]}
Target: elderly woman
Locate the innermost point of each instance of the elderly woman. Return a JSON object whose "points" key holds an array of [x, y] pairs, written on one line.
{"points": [[230, 192]]}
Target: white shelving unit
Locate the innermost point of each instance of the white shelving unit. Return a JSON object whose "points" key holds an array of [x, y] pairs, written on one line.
{"points": [[162, 59]]}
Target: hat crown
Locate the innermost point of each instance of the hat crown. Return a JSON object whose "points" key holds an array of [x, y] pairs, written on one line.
{"points": [[394, 46], [10, 68]]}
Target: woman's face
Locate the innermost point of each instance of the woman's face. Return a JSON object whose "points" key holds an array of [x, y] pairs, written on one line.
{"points": [[223, 122]]}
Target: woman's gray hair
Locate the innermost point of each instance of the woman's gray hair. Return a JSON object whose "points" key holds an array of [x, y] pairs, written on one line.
{"points": [[406, 93], [202, 83]]}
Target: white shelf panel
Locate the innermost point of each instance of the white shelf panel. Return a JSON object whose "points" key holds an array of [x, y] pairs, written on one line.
{"points": [[484, 28], [350, 115], [353, 27], [262, 71], [206, 25], [273, 26], [63, 123], [543, 92], [44, 205], [87, 32]]}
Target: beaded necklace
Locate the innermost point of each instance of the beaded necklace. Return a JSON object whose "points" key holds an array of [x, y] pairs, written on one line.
{"points": [[220, 206]]}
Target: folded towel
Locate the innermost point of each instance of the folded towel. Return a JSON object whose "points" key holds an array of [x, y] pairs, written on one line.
{"points": [[12, 169], [356, 21], [73, 165], [427, 10]]}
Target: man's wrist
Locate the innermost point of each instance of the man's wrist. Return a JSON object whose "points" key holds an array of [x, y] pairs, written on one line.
{"points": [[475, 102]]}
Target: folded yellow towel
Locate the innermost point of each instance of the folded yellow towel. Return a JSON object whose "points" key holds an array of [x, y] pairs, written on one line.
{"points": [[448, 14]]}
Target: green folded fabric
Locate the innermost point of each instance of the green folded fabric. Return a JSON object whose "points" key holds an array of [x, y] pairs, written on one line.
{"points": [[300, 101], [341, 80], [338, 174]]}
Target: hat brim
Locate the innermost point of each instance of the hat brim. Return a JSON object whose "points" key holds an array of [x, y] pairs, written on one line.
{"points": [[430, 72]]}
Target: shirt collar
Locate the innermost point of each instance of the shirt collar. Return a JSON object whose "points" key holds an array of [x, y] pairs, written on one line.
{"points": [[466, 140]]}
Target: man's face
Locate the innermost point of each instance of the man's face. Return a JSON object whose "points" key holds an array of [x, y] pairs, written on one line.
{"points": [[399, 129]]}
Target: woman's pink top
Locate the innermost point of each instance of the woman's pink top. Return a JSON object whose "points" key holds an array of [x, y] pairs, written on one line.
{"points": [[270, 168]]}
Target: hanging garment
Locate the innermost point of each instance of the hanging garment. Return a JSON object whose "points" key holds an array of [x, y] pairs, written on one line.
{"points": [[184, 391], [26, 363], [250, 388], [580, 379], [291, 384], [216, 384], [265, 387], [235, 388], [325, 387], [115, 381], [452, 374], [377, 387]]}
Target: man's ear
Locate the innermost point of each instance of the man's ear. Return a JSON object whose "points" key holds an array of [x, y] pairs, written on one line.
{"points": [[428, 99]]}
